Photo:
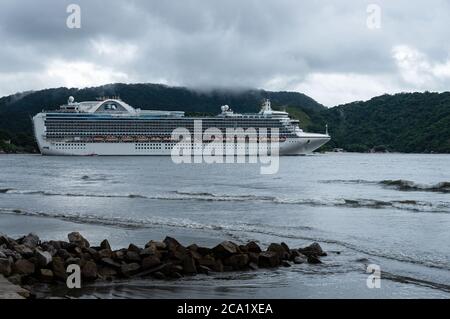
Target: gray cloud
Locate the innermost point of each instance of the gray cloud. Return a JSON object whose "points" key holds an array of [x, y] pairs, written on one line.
{"points": [[321, 48]]}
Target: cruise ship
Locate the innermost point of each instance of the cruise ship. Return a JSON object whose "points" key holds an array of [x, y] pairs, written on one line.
{"points": [[112, 127]]}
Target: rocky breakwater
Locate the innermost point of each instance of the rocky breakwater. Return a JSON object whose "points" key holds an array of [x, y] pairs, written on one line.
{"points": [[29, 260]]}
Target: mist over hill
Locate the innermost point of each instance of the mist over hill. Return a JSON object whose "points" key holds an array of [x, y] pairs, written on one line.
{"points": [[406, 122]]}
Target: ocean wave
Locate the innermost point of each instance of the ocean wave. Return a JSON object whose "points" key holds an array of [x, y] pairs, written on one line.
{"points": [[398, 184], [406, 205], [405, 185], [279, 231]]}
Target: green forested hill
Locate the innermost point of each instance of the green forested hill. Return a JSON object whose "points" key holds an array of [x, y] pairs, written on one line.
{"points": [[406, 122]]}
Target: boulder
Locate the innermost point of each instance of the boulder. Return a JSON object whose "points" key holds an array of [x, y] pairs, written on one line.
{"points": [[130, 269], [107, 272], [225, 249], [285, 263], [189, 265], [133, 256], [50, 248], [237, 261], [105, 245], [218, 266], [46, 275], [24, 251], [104, 253], [148, 251], [253, 247], [268, 259], [156, 244], [253, 257], [6, 266], [23, 267], [279, 250], [64, 254], [150, 262], [312, 250], [59, 271], [208, 261], [253, 266], [300, 259], [43, 258], [89, 271], [78, 240], [171, 244], [73, 261], [31, 240], [204, 250], [313, 260], [158, 275], [203, 270], [134, 248], [110, 263]]}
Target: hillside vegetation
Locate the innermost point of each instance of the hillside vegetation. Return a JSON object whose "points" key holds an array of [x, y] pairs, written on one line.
{"points": [[406, 122]]}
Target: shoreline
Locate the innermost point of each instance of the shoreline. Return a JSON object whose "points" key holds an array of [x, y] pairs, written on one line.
{"points": [[28, 261]]}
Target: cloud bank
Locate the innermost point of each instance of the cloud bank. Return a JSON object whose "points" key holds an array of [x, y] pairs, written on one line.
{"points": [[325, 48]]}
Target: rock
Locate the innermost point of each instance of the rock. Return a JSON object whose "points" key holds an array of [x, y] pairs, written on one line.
{"points": [[134, 248], [189, 265], [107, 272], [253, 247], [110, 263], [31, 240], [16, 279], [268, 259], [312, 250], [148, 251], [237, 261], [225, 249], [301, 259], [6, 266], [46, 275], [133, 256], [104, 253], [172, 244], [46, 246], [73, 261], [4, 240], [23, 267], [286, 247], [285, 263], [203, 270], [150, 262], [192, 247], [176, 275], [43, 258], [78, 240], [158, 275], [119, 254], [89, 271], [59, 271], [279, 250], [156, 244], [105, 245], [208, 261], [313, 260], [253, 266], [253, 257], [24, 251], [129, 269], [204, 250], [2, 254], [64, 254], [217, 267]]}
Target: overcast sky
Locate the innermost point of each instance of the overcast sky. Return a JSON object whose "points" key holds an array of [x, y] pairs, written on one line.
{"points": [[333, 51]]}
